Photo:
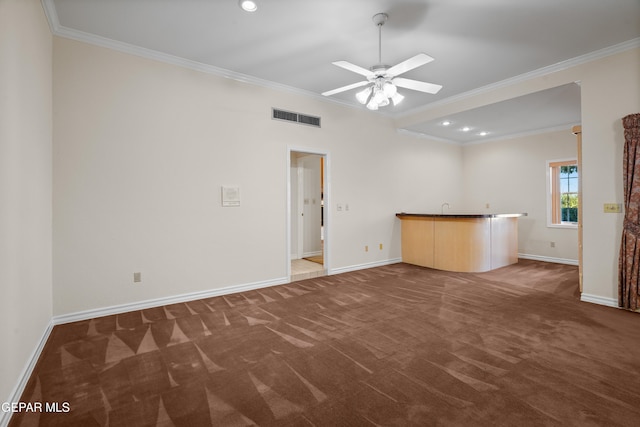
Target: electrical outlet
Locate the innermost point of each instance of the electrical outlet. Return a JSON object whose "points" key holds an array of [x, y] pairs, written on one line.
{"points": [[339, 207], [612, 207], [552, 244], [137, 277]]}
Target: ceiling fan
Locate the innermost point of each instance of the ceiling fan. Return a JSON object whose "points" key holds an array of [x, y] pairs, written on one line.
{"points": [[382, 79]]}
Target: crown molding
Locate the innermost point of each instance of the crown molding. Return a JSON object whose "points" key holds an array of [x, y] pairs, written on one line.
{"points": [[96, 40], [539, 131], [558, 128], [172, 59], [540, 72], [422, 135], [65, 32], [51, 15]]}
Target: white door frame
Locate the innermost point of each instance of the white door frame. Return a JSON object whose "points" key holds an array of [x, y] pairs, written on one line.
{"points": [[300, 208], [326, 200]]}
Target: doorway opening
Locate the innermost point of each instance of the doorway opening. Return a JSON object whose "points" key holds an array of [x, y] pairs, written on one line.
{"points": [[307, 222]]}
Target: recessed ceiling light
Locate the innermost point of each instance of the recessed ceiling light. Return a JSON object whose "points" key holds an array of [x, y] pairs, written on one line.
{"points": [[483, 133], [465, 129], [446, 123], [248, 5]]}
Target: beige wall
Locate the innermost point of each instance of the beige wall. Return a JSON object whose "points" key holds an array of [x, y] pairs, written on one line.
{"points": [[25, 186], [610, 90], [510, 175], [141, 149]]}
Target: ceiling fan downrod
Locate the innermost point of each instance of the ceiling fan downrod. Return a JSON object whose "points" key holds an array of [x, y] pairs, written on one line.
{"points": [[379, 19]]}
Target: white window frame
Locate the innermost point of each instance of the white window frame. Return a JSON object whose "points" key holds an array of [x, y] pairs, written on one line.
{"points": [[550, 192]]}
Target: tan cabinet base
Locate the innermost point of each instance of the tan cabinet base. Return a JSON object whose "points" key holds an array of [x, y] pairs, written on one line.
{"points": [[460, 244]]}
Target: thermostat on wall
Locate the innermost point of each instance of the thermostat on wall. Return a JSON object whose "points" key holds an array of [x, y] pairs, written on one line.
{"points": [[230, 196]]}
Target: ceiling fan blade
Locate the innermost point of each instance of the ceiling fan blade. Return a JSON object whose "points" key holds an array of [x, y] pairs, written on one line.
{"points": [[354, 68], [345, 88], [409, 64], [416, 85]]}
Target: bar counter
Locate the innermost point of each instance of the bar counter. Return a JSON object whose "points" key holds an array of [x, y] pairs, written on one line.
{"points": [[464, 242]]}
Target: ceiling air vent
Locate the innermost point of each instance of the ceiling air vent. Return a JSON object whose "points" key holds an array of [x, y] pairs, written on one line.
{"points": [[309, 120], [295, 117]]}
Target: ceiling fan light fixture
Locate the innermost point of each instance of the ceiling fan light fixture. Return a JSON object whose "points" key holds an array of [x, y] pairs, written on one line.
{"points": [[363, 95], [397, 98], [379, 98], [379, 95], [248, 5], [389, 89]]}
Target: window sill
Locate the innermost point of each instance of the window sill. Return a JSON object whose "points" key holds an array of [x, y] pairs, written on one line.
{"points": [[570, 225]]}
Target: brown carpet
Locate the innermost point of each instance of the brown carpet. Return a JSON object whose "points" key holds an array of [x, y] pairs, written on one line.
{"points": [[389, 346]]}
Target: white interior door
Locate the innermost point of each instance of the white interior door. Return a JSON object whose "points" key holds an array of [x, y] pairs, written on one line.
{"points": [[296, 196], [308, 223], [311, 205]]}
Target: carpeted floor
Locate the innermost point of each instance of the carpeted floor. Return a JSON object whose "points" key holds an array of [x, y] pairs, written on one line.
{"points": [[390, 346]]}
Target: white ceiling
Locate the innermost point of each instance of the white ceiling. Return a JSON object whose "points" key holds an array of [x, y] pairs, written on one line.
{"points": [[291, 44], [548, 110]]}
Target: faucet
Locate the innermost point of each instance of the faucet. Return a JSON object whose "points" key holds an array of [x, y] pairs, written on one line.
{"points": [[442, 207]]}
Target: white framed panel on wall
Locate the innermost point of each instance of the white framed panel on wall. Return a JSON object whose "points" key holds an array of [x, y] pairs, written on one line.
{"points": [[230, 196]]}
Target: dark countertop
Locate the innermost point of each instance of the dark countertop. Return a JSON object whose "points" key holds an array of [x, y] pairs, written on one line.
{"points": [[461, 215]]}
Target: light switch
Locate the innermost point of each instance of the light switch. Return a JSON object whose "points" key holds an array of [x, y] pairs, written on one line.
{"points": [[612, 207]]}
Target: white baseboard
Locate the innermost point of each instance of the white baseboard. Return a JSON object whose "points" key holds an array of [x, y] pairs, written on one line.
{"points": [[549, 259], [596, 299], [140, 305], [24, 376], [364, 266], [308, 254]]}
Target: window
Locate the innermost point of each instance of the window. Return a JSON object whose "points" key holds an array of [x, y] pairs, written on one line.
{"points": [[563, 193]]}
